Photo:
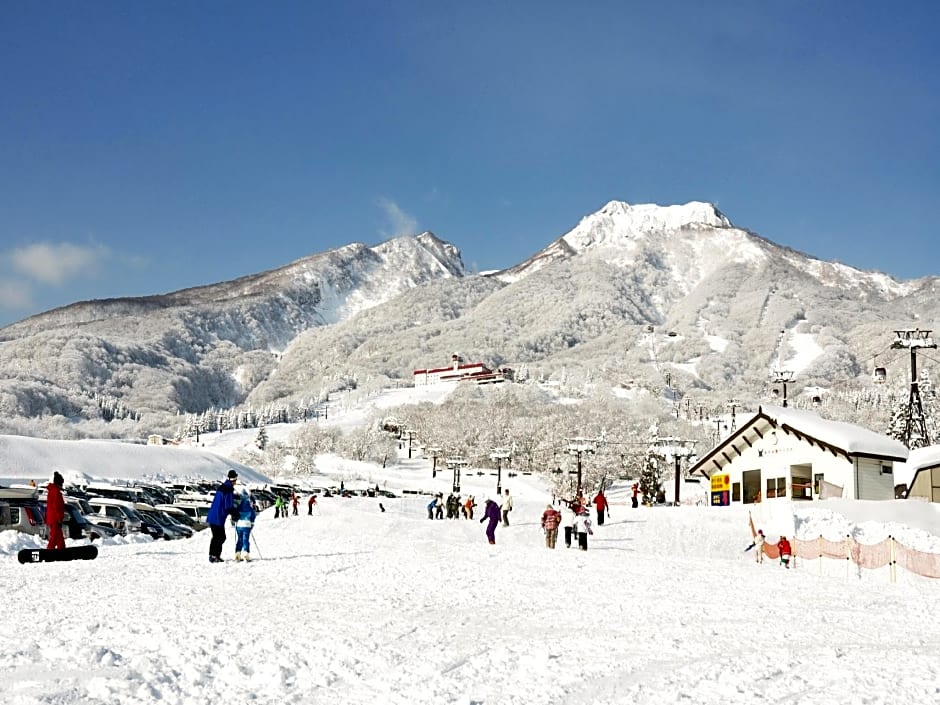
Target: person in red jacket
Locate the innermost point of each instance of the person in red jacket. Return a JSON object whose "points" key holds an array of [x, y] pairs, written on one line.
{"points": [[551, 518], [785, 551], [600, 501], [55, 511]]}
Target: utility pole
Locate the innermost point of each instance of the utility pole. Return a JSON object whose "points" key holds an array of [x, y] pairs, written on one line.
{"points": [[499, 455], [733, 404], [783, 377], [915, 425]]}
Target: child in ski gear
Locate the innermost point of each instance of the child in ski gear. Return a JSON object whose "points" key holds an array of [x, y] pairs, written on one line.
{"points": [[244, 522], [468, 507], [785, 551], [551, 518], [222, 508], [55, 511], [491, 513], [582, 528]]}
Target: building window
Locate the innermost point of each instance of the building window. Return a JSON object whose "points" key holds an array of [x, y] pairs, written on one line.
{"points": [[887, 470], [817, 478], [735, 491], [776, 487]]}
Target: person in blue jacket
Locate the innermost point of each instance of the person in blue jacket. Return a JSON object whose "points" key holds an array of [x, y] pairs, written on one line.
{"points": [[244, 522], [222, 508]]}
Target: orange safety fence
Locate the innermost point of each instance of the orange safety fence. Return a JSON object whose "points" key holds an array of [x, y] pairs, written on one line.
{"points": [[889, 552]]}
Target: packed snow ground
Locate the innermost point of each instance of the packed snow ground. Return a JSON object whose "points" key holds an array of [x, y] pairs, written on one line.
{"points": [[356, 605]]}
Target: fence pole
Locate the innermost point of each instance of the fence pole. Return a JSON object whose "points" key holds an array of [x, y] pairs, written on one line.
{"points": [[891, 560], [848, 555]]}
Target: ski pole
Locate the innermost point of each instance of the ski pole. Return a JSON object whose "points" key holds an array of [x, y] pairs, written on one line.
{"points": [[254, 540]]}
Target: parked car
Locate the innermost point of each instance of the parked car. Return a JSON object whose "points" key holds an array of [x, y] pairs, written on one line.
{"points": [[119, 512], [22, 511], [182, 517], [79, 527], [156, 518], [199, 512]]}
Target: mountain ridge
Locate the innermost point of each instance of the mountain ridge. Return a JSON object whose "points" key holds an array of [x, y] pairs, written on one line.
{"points": [[581, 307]]}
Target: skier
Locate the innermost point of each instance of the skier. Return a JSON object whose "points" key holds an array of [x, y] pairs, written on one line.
{"points": [[243, 524], [222, 507], [785, 552], [310, 503], [582, 528], [633, 497], [551, 518], [506, 507], [55, 511], [491, 513], [759, 546], [600, 501], [294, 501], [431, 506], [468, 507]]}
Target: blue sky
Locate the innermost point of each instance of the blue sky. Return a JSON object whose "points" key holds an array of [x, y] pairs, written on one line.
{"points": [[148, 147]]}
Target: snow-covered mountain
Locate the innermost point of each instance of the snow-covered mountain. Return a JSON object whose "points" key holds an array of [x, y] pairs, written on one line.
{"points": [[631, 293]]}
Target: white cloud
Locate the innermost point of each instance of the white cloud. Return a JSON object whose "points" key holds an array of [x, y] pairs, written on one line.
{"points": [[56, 263], [401, 223], [15, 295]]}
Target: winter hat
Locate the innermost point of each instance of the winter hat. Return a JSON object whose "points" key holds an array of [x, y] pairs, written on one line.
{"points": [[57, 479], [232, 475]]}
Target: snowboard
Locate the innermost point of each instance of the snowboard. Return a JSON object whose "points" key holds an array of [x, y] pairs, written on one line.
{"points": [[43, 555]]}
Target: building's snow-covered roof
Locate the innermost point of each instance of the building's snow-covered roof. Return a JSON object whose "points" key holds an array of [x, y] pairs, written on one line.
{"points": [[852, 439], [919, 459], [844, 437]]}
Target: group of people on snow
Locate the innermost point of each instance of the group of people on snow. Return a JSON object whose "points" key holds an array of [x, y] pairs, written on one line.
{"points": [[453, 505]]}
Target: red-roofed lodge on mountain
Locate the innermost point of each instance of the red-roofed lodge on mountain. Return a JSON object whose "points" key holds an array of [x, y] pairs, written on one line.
{"points": [[459, 371]]}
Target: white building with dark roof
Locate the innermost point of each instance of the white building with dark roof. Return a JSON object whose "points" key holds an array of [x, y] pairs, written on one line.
{"points": [[796, 454]]}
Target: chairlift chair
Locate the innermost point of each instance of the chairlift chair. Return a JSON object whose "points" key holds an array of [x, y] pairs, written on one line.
{"points": [[880, 375]]}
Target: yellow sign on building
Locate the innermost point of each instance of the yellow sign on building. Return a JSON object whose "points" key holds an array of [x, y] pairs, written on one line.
{"points": [[721, 482]]}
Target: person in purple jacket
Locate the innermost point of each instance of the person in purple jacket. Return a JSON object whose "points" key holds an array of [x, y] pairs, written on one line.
{"points": [[491, 513]]}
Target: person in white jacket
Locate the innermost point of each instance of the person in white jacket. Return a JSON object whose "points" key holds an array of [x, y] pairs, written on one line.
{"points": [[759, 546], [582, 528], [506, 507]]}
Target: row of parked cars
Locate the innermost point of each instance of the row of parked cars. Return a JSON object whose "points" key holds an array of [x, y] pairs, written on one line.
{"points": [[91, 514]]}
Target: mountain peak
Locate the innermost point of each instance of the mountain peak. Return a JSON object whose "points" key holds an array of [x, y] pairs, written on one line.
{"points": [[654, 216]]}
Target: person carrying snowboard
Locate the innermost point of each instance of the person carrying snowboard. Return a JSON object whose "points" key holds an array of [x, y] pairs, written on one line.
{"points": [[55, 511], [244, 522]]}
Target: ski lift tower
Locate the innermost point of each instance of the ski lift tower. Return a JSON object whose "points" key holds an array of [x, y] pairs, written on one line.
{"points": [[456, 463], [578, 447], [915, 425], [499, 455], [783, 377], [669, 448]]}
